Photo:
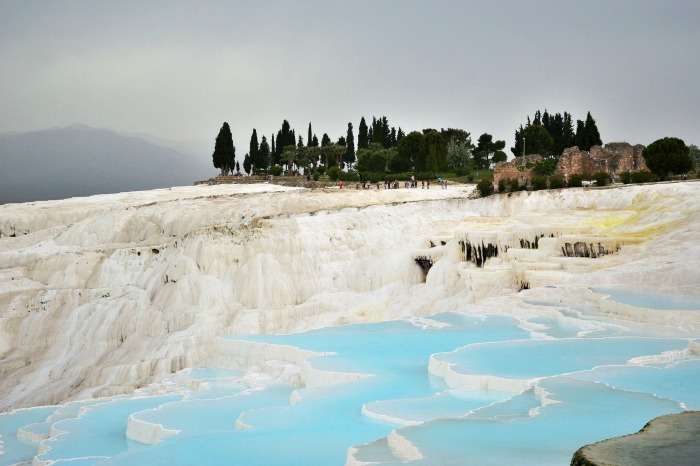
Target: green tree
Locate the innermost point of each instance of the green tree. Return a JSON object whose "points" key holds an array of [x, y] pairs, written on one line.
{"points": [[436, 151], [247, 164], [362, 135], [289, 156], [309, 136], [487, 149], [399, 136], [580, 138], [374, 159], [411, 153], [263, 154], [314, 141], [592, 133], [325, 140], [459, 152], [587, 134], [253, 151], [332, 154], [349, 156], [668, 156], [538, 140], [224, 156]]}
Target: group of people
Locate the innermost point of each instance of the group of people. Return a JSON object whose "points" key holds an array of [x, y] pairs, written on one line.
{"points": [[412, 183]]}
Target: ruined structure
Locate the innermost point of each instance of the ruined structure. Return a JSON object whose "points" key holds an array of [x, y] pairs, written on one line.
{"points": [[614, 158], [520, 168]]}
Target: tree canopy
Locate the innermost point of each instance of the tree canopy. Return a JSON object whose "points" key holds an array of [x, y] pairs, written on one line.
{"points": [[224, 156], [668, 156]]}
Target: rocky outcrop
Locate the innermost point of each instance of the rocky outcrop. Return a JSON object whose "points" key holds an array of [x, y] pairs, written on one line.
{"points": [[520, 169], [667, 440], [614, 158]]}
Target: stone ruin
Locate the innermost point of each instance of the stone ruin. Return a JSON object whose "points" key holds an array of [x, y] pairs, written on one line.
{"points": [[613, 158], [520, 169]]}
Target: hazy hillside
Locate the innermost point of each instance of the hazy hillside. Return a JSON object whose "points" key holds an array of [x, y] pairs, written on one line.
{"points": [[79, 161]]}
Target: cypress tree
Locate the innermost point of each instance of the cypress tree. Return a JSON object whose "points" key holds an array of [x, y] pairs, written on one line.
{"points": [[375, 131], [569, 137], [580, 137], [362, 135], [253, 151], [386, 132], [224, 155], [314, 142], [349, 156], [300, 143], [325, 140], [392, 137], [517, 149], [592, 133], [264, 154], [286, 136], [272, 151], [399, 136], [279, 144], [309, 136], [247, 164]]}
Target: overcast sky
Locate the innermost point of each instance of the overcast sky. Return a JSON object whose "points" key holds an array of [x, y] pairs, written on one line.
{"points": [[177, 69]]}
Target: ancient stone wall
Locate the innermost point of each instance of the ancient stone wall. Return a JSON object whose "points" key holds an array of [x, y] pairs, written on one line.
{"points": [[520, 168], [614, 158]]}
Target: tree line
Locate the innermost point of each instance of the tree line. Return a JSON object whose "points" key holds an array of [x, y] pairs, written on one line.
{"points": [[381, 148], [549, 134]]}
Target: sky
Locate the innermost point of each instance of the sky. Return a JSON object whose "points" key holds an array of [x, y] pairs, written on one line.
{"points": [[177, 69]]}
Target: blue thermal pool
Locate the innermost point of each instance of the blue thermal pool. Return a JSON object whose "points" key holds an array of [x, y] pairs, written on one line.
{"points": [[221, 419], [658, 301]]}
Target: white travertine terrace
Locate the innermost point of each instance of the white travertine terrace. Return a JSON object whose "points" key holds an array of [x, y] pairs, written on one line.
{"points": [[104, 295]]}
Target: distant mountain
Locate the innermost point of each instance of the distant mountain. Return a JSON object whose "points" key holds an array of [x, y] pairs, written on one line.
{"points": [[79, 160]]}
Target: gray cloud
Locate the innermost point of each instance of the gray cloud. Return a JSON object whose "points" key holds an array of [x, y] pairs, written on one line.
{"points": [[178, 69]]}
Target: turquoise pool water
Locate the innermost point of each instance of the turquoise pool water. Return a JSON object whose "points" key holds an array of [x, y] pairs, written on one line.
{"points": [[228, 422], [659, 301]]}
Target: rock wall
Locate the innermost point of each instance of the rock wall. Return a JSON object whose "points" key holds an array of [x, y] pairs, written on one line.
{"points": [[520, 168], [614, 158]]}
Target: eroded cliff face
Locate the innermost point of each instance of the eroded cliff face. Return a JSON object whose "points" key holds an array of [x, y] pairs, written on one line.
{"points": [[103, 295]]}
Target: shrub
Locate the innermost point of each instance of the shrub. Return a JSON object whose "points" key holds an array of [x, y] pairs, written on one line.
{"points": [[502, 185], [545, 167], [539, 182], [626, 177], [276, 170], [333, 173], [642, 177], [321, 169], [425, 176], [575, 181], [316, 175], [461, 171], [485, 188], [556, 182], [601, 179], [350, 175]]}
